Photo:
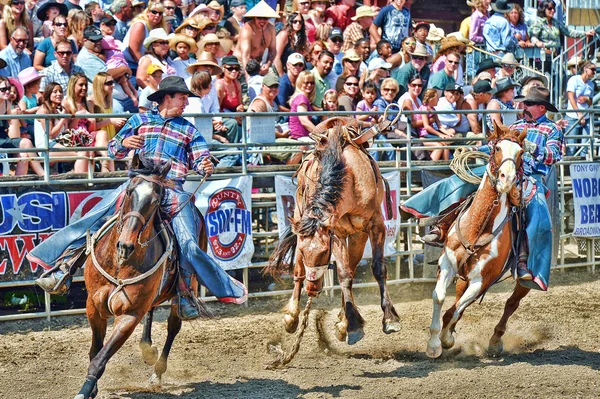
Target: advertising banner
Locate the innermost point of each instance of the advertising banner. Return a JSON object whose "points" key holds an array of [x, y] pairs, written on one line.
{"points": [[226, 206], [285, 190], [586, 198]]}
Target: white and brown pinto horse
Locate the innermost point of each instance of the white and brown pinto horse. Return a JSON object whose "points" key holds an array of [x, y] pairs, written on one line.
{"points": [[479, 244], [338, 207]]}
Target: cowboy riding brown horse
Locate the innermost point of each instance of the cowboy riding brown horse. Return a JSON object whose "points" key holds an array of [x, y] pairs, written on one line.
{"points": [[129, 271], [338, 207]]}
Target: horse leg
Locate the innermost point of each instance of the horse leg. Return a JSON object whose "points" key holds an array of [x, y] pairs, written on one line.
{"points": [[355, 321], [446, 336], [391, 321], [341, 327], [445, 275], [496, 346], [173, 328], [149, 352], [292, 310], [98, 326], [124, 326]]}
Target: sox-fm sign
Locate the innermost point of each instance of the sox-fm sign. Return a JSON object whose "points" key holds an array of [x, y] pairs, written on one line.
{"points": [[30, 218]]}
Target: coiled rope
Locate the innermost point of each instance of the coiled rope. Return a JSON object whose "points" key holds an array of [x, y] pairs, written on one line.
{"points": [[460, 164], [283, 359]]}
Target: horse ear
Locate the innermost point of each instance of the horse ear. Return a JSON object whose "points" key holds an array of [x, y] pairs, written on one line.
{"points": [[136, 162], [164, 170], [523, 136], [495, 134]]}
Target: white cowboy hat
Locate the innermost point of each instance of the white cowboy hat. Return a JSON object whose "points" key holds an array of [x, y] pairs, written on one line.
{"points": [[155, 35], [435, 34], [225, 44], [364, 11], [261, 10], [509, 59], [421, 51], [199, 9]]}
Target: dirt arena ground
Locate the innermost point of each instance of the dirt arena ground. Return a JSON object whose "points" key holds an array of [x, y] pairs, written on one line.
{"points": [[551, 351]]}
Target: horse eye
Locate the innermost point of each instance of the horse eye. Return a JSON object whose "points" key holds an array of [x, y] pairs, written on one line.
{"points": [[497, 148]]}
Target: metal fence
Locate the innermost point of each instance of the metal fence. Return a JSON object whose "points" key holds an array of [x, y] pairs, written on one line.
{"points": [[406, 264]]}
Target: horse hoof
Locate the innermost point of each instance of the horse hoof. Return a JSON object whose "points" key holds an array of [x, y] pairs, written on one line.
{"points": [[495, 350], [447, 344], [355, 336], [79, 396], [155, 380], [149, 354], [391, 327], [340, 331], [433, 353], [290, 323]]}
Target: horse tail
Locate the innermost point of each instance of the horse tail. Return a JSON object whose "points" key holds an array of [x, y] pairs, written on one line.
{"points": [[278, 261]]}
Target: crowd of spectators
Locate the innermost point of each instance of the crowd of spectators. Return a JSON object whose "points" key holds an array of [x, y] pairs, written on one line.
{"points": [[71, 58]]}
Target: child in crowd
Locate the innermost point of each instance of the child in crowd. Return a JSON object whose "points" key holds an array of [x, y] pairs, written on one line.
{"points": [[369, 94], [155, 74], [183, 45], [30, 79], [330, 103], [431, 122], [115, 58], [255, 79], [15, 93]]}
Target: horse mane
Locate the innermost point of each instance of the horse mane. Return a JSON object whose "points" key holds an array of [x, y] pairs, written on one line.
{"points": [[145, 166], [329, 184]]}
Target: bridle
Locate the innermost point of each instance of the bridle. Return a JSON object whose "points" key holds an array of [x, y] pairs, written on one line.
{"points": [[494, 168]]}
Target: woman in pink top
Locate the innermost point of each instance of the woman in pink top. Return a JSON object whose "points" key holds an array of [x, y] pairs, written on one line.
{"points": [[478, 18], [301, 126]]}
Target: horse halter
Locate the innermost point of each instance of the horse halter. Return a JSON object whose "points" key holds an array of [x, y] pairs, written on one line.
{"points": [[495, 168], [314, 273]]}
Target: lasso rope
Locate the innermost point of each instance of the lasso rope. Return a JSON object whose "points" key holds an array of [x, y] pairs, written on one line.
{"points": [[283, 359], [460, 164]]}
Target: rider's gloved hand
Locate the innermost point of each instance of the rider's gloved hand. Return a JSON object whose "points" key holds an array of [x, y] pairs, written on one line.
{"points": [[529, 146], [207, 166]]}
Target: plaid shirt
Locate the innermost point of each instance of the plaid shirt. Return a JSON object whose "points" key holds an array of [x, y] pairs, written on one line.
{"points": [[550, 35], [173, 139], [550, 142], [55, 73], [352, 34]]}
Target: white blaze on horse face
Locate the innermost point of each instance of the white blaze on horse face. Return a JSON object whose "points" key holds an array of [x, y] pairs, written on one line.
{"points": [[507, 172], [144, 190]]}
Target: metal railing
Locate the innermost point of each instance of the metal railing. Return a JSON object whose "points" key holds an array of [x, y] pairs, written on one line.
{"points": [[405, 266]]}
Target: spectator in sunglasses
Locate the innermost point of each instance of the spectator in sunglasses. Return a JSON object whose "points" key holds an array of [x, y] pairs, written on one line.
{"points": [[157, 52], [580, 92], [14, 54], [441, 79], [45, 52], [14, 15], [62, 67], [419, 58]]}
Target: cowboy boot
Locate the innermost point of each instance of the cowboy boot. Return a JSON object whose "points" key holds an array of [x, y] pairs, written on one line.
{"points": [[56, 281], [437, 235], [188, 308], [522, 270]]}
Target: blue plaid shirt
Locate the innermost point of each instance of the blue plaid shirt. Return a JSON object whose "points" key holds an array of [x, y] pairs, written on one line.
{"points": [[550, 142], [173, 139]]}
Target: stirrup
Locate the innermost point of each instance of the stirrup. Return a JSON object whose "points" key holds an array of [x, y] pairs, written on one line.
{"points": [[522, 272], [187, 308], [54, 285], [432, 239]]}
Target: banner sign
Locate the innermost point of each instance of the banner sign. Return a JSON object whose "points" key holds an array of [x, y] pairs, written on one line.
{"points": [[29, 217], [226, 206], [285, 190], [586, 198]]}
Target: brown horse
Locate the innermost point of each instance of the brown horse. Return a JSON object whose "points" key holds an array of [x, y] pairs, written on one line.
{"points": [[131, 270], [338, 207], [479, 244]]}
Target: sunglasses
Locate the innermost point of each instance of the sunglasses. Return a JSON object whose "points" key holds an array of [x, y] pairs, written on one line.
{"points": [[507, 66], [388, 89], [4, 89], [233, 69], [452, 62], [304, 3], [418, 58], [20, 40], [337, 40], [311, 82], [191, 28], [352, 84], [410, 43], [156, 12], [169, 8], [416, 85], [18, 3], [592, 69], [162, 42], [296, 22], [64, 53], [59, 24], [551, 9], [109, 83]]}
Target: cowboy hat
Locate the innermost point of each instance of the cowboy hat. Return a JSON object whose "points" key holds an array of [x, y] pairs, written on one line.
{"points": [[460, 37], [502, 6], [539, 78], [509, 59], [205, 59], [180, 38], [43, 10], [486, 64], [364, 11], [449, 43], [214, 5], [435, 34], [225, 44], [504, 84], [574, 61], [538, 95], [155, 35], [29, 75], [170, 85], [351, 55], [20, 90], [199, 9], [109, 43], [421, 51], [188, 22], [261, 10]]}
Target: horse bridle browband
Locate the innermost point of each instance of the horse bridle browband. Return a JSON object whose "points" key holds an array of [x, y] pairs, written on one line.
{"points": [[495, 169]]}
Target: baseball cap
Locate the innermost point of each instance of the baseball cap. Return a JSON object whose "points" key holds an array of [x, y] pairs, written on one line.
{"points": [[377, 63], [270, 80], [483, 86], [335, 32], [453, 87], [92, 33], [107, 20], [295, 59], [153, 68]]}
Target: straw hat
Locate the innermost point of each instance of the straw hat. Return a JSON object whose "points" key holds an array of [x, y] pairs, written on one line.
{"points": [[364, 11], [421, 51], [351, 55], [226, 44], [509, 59], [180, 38], [435, 34], [188, 22], [574, 61], [449, 43], [214, 5], [261, 10], [155, 35], [460, 37], [205, 59]]}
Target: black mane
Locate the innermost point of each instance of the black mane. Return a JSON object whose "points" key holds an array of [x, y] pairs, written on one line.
{"points": [[145, 166], [329, 186]]}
